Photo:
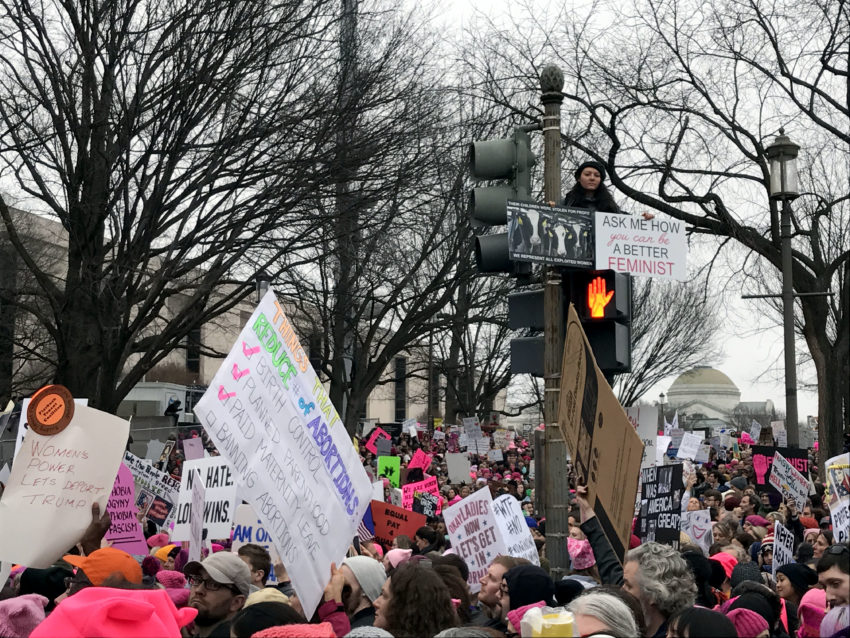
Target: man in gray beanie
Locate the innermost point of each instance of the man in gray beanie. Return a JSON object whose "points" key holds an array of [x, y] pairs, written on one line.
{"points": [[364, 578]]}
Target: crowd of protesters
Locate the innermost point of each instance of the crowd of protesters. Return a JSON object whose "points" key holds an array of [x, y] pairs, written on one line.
{"points": [[419, 586]]}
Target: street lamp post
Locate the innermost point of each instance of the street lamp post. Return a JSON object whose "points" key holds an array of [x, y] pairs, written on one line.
{"points": [[782, 155], [262, 281]]}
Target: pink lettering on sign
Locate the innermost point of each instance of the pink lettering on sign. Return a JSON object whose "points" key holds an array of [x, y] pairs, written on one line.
{"points": [[376, 434], [429, 485]]}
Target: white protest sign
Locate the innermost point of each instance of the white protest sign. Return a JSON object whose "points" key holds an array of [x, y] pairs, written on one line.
{"points": [[783, 546], [247, 528], [656, 247], [703, 454], [395, 496], [459, 467], [697, 525], [378, 491], [269, 414], [474, 534], [156, 492], [755, 430], [4, 473], [838, 495], [438, 435], [46, 506], [494, 456], [196, 521], [840, 517], [193, 449], [788, 480], [514, 530], [220, 498], [22, 423], [155, 448], [662, 443], [645, 421], [689, 447]]}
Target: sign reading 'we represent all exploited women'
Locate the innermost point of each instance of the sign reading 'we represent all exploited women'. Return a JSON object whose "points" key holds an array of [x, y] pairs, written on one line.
{"points": [[269, 415]]}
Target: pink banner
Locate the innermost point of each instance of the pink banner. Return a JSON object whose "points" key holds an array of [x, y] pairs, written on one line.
{"points": [[376, 434], [125, 531], [429, 485], [420, 459]]}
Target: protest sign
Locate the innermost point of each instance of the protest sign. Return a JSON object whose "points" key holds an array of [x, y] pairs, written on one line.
{"points": [[23, 426], [459, 466], [689, 446], [599, 437], [838, 495], [644, 419], [514, 530], [788, 481], [220, 498], [661, 505], [755, 430], [391, 521], [4, 473], [395, 496], [676, 436], [697, 525], [268, 413], [125, 531], [378, 491], [495, 456], [420, 459], [438, 435], [783, 546], [474, 534], [656, 247], [389, 467], [193, 449], [429, 485], [384, 447], [501, 439], [426, 504], [196, 519], [368, 426], [661, 445], [763, 460], [55, 478], [703, 453], [408, 426], [154, 449], [156, 492], [573, 225], [248, 528], [377, 433]]}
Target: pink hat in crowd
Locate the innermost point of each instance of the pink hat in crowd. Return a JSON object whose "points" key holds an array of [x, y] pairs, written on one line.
{"points": [[727, 561], [758, 521], [175, 586], [748, 624], [811, 612], [322, 630], [397, 556], [118, 613], [20, 615], [581, 554], [515, 616], [158, 540]]}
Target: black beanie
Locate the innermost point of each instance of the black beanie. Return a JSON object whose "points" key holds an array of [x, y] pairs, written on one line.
{"points": [[757, 603], [802, 577], [590, 164], [529, 584], [745, 571]]}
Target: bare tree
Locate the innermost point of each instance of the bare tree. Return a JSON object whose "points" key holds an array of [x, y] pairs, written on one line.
{"points": [[674, 328], [679, 100], [169, 140]]}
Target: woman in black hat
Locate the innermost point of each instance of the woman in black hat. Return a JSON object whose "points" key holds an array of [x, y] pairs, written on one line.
{"points": [[589, 191]]}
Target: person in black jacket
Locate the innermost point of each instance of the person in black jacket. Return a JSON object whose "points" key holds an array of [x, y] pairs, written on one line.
{"points": [[589, 191]]}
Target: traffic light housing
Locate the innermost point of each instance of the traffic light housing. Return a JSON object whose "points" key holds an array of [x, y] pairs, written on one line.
{"points": [[603, 302], [508, 161]]}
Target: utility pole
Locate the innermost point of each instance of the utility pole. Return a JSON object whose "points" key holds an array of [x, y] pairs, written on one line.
{"points": [[555, 478]]}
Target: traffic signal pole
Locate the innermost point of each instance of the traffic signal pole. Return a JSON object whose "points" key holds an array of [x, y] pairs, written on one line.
{"points": [[556, 490]]}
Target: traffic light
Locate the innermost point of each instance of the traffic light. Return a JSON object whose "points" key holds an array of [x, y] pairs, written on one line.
{"points": [[603, 301], [525, 312], [510, 162]]}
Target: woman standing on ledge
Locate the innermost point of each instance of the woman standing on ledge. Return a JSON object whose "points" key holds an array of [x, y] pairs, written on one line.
{"points": [[589, 191]]}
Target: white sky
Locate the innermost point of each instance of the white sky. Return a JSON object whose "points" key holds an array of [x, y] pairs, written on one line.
{"points": [[752, 348]]}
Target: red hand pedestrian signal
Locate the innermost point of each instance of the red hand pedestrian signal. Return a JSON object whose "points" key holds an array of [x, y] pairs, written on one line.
{"points": [[597, 297]]}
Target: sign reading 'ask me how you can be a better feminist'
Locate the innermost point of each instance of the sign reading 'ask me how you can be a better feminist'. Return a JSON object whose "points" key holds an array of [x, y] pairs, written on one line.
{"points": [[268, 414], [654, 247]]}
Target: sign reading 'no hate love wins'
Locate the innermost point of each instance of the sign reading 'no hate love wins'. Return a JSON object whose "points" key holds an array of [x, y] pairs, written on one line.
{"points": [[269, 415]]}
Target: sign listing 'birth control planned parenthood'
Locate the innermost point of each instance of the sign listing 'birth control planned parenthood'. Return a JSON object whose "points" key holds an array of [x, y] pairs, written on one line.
{"points": [[269, 415]]}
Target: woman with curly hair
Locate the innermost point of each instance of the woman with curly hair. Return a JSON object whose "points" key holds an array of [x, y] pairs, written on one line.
{"points": [[414, 601]]}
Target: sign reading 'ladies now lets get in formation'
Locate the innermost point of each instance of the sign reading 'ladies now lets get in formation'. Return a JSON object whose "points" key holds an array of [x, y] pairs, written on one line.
{"points": [[268, 414]]}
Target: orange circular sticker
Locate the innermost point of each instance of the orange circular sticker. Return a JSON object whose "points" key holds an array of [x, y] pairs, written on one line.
{"points": [[50, 410]]}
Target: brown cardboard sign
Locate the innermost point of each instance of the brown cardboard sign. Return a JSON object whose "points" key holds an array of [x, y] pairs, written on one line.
{"points": [[50, 410], [604, 447]]}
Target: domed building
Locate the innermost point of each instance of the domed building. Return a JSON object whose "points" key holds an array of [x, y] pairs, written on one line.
{"points": [[707, 397]]}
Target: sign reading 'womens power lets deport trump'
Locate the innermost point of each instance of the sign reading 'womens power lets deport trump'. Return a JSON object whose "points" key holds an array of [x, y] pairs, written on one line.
{"points": [[269, 415]]}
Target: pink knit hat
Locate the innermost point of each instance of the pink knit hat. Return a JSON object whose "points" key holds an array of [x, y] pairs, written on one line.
{"points": [[397, 556], [118, 613], [727, 561], [158, 540], [515, 616], [170, 578], [811, 612], [581, 554], [748, 624], [322, 630], [20, 615]]}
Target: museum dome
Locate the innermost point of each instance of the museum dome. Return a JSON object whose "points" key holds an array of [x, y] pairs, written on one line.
{"points": [[705, 385]]}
